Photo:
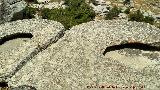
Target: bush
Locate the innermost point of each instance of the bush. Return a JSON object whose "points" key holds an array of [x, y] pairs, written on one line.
{"points": [[148, 19], [127, 11], [74, 3], [126, 2], [17, 16], [76, 13], [33, 1], [26, 13], [114, 12], [94, 2], [29, 12], [138, 16]]}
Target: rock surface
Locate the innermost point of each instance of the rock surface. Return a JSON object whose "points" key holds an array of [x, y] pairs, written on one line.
{"points": [[9, 7], [77, 62], [51, 5], [44, 33], [24, 87]]}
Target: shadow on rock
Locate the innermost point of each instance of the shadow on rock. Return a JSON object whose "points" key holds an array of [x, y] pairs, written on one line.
{"points": [[24, 87]]}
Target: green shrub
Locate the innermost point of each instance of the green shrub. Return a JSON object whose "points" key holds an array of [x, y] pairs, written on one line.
{"points": [[114, 12], [149, 19], [26, 13], [17, 16], [29, 12], [127, 11], [94, 2], [126, 2], [31, 1], [74, 3], [158, 26], [76, 13], [138, 16]]}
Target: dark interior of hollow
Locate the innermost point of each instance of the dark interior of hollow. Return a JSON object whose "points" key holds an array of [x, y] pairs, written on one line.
{"points": [[3, 84], [141, 46], [15, 36]]}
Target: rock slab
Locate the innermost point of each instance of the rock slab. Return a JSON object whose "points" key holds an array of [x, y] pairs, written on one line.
{"points": [[76, 61]]}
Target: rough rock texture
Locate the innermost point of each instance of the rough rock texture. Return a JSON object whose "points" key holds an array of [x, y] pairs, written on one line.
{"points": [[44, 33], [9, 7], [76, 61], [49, 5], [23, 87]]}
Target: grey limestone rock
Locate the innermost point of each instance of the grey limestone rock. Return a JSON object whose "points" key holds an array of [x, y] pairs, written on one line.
{"points": [[9, 7], [24, 87], [76, 61], [45, 32]]}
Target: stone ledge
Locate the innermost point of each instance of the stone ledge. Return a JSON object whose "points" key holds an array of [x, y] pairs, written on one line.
{"points": [[76, 60], [44, 33]]}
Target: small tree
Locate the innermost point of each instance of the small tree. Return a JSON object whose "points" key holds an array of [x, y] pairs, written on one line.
{"points": [[94, 2], [29, 12], [31, 1], [136, 16], [26, 13], [127, 11], [126, 2], [149, 19], [114, 12], [76, 13], [74, 3]]}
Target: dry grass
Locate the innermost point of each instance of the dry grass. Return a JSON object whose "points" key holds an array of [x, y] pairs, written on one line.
{"points": [[142, 4], [146, 5]]}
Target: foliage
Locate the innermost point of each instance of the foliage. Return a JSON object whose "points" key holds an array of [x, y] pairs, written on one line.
{"points": [[94, 2], [127, 11], [114, 12], [74, 3], [29, 12], [76, 13], [34, 1], [138, 16], [126, 2], [149, 19], [26, 13]]}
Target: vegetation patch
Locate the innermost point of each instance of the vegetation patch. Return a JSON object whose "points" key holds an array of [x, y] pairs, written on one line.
{"points": [[138, 16], [31, 1], [3, 85], [77, 12], [127, 11], [26, 13], [113, 13]]}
